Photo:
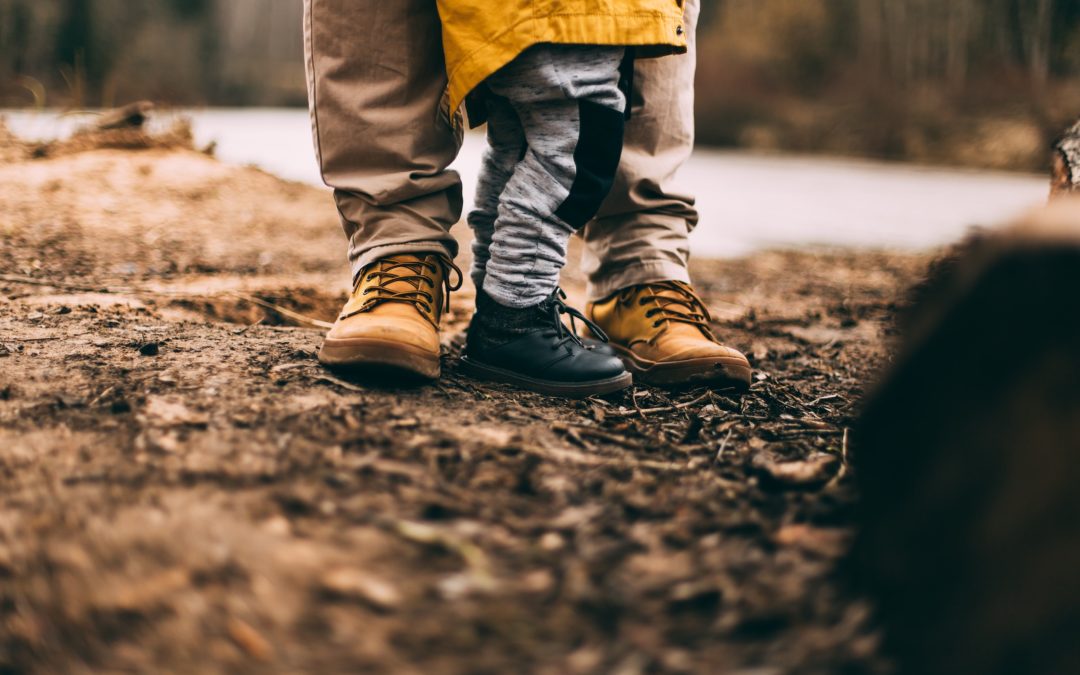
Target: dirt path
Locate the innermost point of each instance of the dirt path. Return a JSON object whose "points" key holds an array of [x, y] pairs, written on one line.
{"points": [[185, 489]]}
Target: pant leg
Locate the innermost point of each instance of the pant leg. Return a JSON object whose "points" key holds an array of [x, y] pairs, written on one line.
{"points": [[641, 233], [376, 76], [568, 101], [506, 147]]}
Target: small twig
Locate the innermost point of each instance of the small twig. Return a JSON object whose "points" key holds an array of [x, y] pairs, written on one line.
{"points": [[37, 339], [723, 446], [105, 290], [576, 439], [121, 290], [473, 556], [843, 462], [754, 418], [594, 460], [784, 435], [819, 399], [250, 326], [31, 281], [99, 397], [810, 423], [666, 408], [291, 366], [296, 316], [339, 382], [620, 441], [637, 408]]}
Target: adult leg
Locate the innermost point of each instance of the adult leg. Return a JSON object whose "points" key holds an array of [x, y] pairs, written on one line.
{"points": [[637, 250], [641, 233], [376, 76]]}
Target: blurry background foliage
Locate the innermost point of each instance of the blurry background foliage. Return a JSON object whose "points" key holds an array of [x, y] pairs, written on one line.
{"points": [[184, 52], [975, 82]]}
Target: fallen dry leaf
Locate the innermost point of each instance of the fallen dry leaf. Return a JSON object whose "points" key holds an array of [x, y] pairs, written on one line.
{"points": [[250, 640], [810, 472], [356, 584]]}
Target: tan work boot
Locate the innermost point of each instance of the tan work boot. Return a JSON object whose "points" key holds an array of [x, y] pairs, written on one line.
{"points": [[662, 333], [391, 321]]}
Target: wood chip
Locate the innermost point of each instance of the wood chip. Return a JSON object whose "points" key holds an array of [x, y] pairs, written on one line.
{"points": [[355, 584], [249, 640], [813, 471], [823, 541]]}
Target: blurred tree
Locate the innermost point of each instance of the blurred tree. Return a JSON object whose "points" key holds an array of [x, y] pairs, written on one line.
{"points": [[1035, 20], [75, 54], [238, 51], [75, 33], [191, 9], [885, 77]]}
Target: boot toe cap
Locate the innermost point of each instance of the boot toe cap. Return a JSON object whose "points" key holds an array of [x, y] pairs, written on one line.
{"points": [[581, 366], [386, 329], [680, 350], [599, 366]]}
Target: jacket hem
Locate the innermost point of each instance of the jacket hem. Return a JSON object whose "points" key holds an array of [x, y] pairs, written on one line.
{"points": [[656, 34]]}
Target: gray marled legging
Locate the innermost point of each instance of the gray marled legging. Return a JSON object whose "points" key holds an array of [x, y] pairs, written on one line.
{"points": [[555, 133]]}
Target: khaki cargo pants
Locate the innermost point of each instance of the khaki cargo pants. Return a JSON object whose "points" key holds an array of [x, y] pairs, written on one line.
{"points": [[375, 82]]}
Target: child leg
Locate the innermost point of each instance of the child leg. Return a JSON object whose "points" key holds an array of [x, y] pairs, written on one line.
{"points": [[561, 109], [506, 145], [571, 110]]}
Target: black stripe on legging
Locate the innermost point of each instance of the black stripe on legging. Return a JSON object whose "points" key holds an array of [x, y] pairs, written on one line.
{"points": [[599, 149]]}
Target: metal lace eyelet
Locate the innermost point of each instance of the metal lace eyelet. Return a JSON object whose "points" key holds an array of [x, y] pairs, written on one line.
{"points": [[369, 277], [656, 324]]}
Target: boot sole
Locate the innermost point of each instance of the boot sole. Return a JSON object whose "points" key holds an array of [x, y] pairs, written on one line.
{"points": [[482, 371], [726, 372], [381, 356]]}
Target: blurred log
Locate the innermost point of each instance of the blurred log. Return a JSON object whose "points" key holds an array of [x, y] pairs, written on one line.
{"points": [[1065, 174], [968, 458], [131, 116]]}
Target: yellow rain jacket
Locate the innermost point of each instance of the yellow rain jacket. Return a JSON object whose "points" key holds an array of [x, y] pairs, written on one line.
{"points": [[482, 36]]}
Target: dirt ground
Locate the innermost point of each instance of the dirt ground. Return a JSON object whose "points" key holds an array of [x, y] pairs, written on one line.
{"points": [[185, 489]]}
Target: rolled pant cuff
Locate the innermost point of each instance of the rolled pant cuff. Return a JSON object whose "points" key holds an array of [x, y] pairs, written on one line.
{"points": [[634, 274], [378, 252]]}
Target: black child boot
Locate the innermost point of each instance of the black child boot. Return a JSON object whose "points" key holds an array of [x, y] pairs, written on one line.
{"points": [[531, 348]]}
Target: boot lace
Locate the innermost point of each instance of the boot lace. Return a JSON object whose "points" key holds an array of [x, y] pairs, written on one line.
{"points": [[393, 270], [565, 337], [683, 307]]}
